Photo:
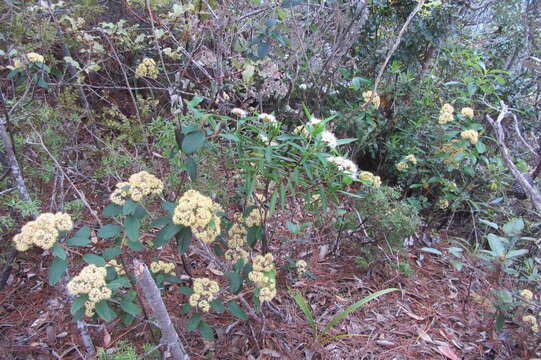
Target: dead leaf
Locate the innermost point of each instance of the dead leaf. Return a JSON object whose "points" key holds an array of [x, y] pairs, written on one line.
{"points": [[423, 335], [448, 352], [106, 338]]}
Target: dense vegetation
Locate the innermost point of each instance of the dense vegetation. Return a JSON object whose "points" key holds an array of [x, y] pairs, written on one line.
{"points": [[239, 147]]}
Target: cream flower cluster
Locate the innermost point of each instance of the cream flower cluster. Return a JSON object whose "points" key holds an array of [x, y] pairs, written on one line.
{"points": [[35, 57], [147, 68], [532, 321], [138, 186], [302, 130], [467, 112], [238, 112], [443, 204], [471, 135], [162, 266], [254, 218], [198, 212], [452, 150], [329, 138], [300, 266], [527, 294], [370, 96], [118, 268], [404, 163], [237, 239], [43, 231], [446, 114], [90, 281], [204, 291], [345, 165], [268, 118], [263, 264], [375, 181]]}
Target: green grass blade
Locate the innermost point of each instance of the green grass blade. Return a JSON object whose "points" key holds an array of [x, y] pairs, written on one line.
{"points": [[341, 336], [354, 307], [299, 299]]}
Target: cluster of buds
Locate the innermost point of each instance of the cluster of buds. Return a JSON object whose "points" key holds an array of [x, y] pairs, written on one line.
{"points": [[329, 139], [119, 269], [370, 96], [162, 266], [268, 118], [238, 112], [147, 68], [373, 180], [467, 112], [237, 239], [254, 218], [345, 165], [204, 291], [90, 281], [452, 149], [446, 114], [43, 231], [138, 186], [199, 213], [263, 267], [471, 135], [403, 165], [300, 266]]}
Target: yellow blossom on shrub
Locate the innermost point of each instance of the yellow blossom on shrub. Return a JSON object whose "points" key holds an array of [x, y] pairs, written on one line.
{"points": [[445, 118], [375, 181], [198, 212], [302, 130], [345, 165], [162, 266], [443, 204], [532, 321], [204, 291], [118, 268], [467, 112], [265, 283], [411, 158], [264, 262], [527, 294], [237, 236], [43, 231], [147, 68], [447, 109], [367, 95], [470, 135], [300, 266], [254, 218], [35, 57], [138, 186], [90, 281], [233, 255], [402, 166]]}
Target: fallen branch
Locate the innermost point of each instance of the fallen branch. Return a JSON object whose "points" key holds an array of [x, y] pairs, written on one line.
{"points": [[170, 337], [531, 191]]}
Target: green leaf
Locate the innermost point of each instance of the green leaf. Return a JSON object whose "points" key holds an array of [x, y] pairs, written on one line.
{"points": [[254, 234], [78, 303], [496, 244], [236, 310], [272, 204], [431, 251], [59, 251], [164, 220], [184, 240], [129, 207], [93, 259], [500, 321], [301, 302], [165, 234], [130, 307], [186, 308], [79, 314], [104, 311], [131, 228], [169, 207], [120, 282], [193, 141], [191, 165], [263, 50], [515, 253], [235, 282], [112, 252], [57, 269], [514, 227], [112, 210], [186, 290], [136, 245], [489, 223], [354, 307], [108, 231], [218, 305], [481, 148], [194, 321], [81, 237], [206, 331]]}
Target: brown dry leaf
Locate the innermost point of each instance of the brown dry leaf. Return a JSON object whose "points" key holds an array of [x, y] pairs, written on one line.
{"points": [[215, 271], [411, 315], [423, 335], [448, 352], [106, 338]]}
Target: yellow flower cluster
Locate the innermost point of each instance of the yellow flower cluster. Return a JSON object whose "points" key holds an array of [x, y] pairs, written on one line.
{"points": [[328, 138], [526, 294], [162, 266], [302, 130], [467, 112], [90, 281], [471, 135], [204, 291], [367, 95], [43, 231], [301, 267], [446, 114], [264, 282], [237, 236], [139, 185], [375, 181], [532, 321], [118, 268], [198, 212], [147, 68], [443, 204], [233, 255], [403, 164], [345, 165], [452, 151], [254, 218], [35, 57]]}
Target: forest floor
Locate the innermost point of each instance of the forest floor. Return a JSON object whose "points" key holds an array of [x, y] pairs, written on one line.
{"points": [[437, 313]]}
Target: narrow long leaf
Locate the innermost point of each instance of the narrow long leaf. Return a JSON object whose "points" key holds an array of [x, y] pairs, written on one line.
{"points": [[301, 301]]}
